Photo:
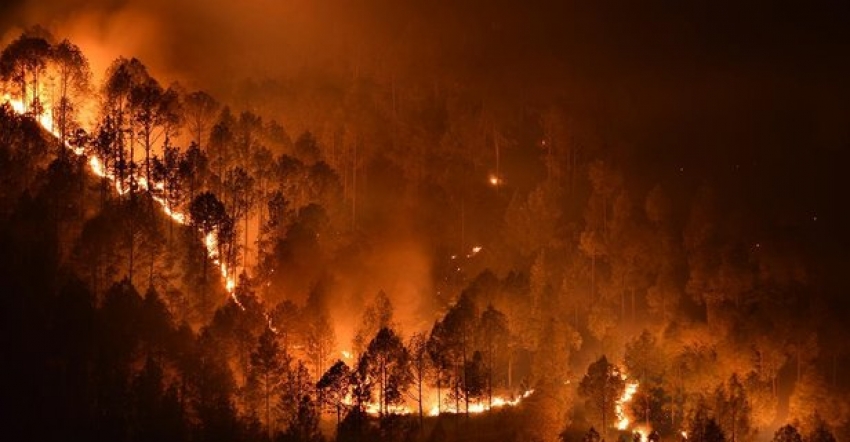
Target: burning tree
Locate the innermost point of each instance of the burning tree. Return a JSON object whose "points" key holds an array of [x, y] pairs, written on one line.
{"points": [[450, 346], [24, 62], [152, 108], [239, 191], [601, 387], [122, 77], [166, 170], [387, 365], [418, 350], [74, 82], [645, 361], [207, 213]]}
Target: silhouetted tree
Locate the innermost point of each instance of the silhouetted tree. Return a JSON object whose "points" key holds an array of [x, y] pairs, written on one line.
{"points": [[787, 433], [166, 172], [208, 214], [733, 411], [199, 110], [419, 364], [387, 365], [495, 340], [333, 388], [601, 386], [24, 62], [378, 314], [820, 434], [267, 364], [321, 341], [74, 83], [475, 375], [305, 426], [451, 344]]}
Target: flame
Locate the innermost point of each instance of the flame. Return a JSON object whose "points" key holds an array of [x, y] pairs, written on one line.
{"points": [[495, 180], [643, 432], [17, 105], [97, 168], [474, 252], [481, 407], [620, 406], [374, 408]]}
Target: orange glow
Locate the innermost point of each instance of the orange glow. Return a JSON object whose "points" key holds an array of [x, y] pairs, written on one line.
{"points": [[481, 407], [643, 432], [620, 407], [474, 252], [434, 409], [96, 166]]}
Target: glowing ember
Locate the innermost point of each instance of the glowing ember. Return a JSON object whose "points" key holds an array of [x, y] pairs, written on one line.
{"points": [[480, 407], [374, 408], [495, 180], [474, 252], [643, 432]]}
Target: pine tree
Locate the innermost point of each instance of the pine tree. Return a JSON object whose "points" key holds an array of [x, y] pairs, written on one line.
{"points": [[601, 387], [267, 362]]}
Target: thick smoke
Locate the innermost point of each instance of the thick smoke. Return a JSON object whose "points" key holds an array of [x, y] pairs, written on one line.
{"points": [[207, 43]]}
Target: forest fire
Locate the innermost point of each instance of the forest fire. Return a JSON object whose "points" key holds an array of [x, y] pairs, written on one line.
{"points": [[574, 222], [435, 409], [622, 403], [44, 119], [96, 167], [481, 406]]}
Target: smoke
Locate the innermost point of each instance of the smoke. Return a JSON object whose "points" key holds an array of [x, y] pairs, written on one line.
{"points": [[398, 266], [209, 44]]}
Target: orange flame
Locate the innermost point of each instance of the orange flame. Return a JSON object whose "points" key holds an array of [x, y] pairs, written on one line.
{"points": [[97, 168], [620, 406]]}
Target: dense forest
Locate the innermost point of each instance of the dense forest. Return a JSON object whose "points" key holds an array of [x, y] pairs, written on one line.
{"points": [[368, 257]]}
